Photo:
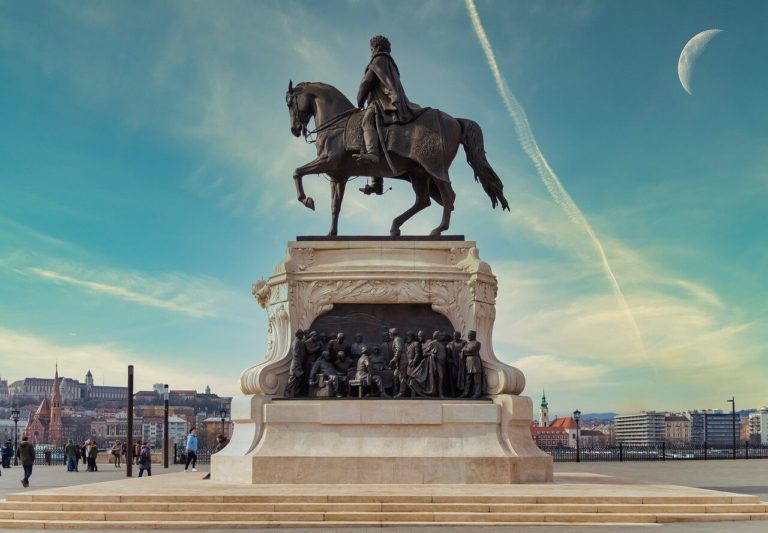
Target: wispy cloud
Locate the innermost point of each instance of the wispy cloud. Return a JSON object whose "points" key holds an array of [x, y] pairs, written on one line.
{"points": [[178, 303], [693, 336], [546, 173], [561, 374]]}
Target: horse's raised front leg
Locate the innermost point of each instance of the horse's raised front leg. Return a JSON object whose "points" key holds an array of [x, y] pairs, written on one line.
{"points": [[448, 197], [338, 184], [313, 167], [420, 185]]}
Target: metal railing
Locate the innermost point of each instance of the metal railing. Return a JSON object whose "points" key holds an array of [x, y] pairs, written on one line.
{"points": [[662, 452], [180, 455]]}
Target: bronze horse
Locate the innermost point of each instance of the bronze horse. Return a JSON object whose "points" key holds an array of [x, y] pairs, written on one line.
{"points": [[421, 156]]}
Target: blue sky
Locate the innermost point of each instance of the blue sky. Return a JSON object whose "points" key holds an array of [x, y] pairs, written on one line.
{"points": [[145, 183]]}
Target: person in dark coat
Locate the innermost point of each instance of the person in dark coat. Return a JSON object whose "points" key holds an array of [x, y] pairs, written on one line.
{"points": [[26, 454], [7, 453], [145, 459], [71, 454]]}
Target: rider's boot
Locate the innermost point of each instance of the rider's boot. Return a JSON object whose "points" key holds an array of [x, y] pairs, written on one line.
{"points": [[375, 187], [371, 154]]}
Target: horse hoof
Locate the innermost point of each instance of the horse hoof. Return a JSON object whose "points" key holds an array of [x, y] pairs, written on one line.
{"points": [[332, 233], [436, 231], [394, 232]]}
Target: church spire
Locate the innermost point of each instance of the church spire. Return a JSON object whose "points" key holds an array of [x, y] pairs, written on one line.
{"points": [[543, 410], [55, 426]]}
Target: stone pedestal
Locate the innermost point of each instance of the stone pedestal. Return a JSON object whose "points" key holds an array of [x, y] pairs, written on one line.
{"points": [[379, 441]]}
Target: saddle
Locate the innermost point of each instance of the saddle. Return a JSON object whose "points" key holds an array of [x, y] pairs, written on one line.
{"points": [[419, 140]]}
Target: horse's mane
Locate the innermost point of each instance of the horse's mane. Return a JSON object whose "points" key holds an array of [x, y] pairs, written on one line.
{"points": [[325, 86]]}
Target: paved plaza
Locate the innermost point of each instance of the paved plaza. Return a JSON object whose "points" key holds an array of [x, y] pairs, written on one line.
{"points": [[744, 477]]}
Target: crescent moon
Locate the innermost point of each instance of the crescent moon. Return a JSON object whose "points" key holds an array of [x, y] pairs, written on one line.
{"points": [[691, 51]]}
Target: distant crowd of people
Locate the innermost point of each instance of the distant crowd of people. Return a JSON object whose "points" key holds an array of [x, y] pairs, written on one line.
{"points": [[88, 452]]}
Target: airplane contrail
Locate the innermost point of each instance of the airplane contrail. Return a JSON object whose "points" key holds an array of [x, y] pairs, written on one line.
{"points": [[547, 175]]}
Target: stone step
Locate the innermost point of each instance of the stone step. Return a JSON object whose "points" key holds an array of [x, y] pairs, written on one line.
{"points": [[356, 516], [383, 499], [386, 507], [187, 525]]}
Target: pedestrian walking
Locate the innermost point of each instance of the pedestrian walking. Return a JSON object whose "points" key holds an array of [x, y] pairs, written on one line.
{"points": [[93, 453], [145, 459], [136, 452], [71, 455], [26, 454], [116, 450], [7, 453], [191, 449], [84, 452]]}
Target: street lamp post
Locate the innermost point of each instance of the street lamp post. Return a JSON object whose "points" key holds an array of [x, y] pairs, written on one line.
{"points": [[732, 401], [166, 394], [577, 417], [15, 414], [223, 414]]}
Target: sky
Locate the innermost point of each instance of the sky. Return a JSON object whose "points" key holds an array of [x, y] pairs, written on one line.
{"points": [[145, 184]]}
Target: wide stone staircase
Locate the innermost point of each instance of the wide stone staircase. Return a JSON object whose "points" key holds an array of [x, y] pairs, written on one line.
{"points": [[57, 510]]}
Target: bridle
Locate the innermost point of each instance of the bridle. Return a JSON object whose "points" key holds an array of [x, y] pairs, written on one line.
{"points": [[328, 124], [294, 105]]}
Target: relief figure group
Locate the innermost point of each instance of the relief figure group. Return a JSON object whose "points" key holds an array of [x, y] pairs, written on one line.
{"points": [[441, 366]]}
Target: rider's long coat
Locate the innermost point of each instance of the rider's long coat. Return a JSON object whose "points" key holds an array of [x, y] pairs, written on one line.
{"points": [[381, 86]]}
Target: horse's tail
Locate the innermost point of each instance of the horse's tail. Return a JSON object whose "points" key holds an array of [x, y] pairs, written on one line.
{"points": [[472, 141]]}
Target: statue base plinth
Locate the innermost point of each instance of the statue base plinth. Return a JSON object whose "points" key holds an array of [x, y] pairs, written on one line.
{"points": [[382, 442], [367, 285]]}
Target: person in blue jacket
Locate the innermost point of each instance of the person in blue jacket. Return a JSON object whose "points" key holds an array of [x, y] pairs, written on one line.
{"points": [[191, 449]]}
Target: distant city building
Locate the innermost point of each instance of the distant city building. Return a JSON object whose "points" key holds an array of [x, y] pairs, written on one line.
{"points": [[647, 428], [37, 389], [608, 430], [712, 427], [152, 431], [559, 432], [677, 429], [7, 429], [147, 397], [758, 427], [112, 428], [548, 437], [592, 438], [208, 389], [183, 395], [543, 411]]}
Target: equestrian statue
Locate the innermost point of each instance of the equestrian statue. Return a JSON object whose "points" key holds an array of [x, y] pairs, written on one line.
{"points": [[390, 137]]}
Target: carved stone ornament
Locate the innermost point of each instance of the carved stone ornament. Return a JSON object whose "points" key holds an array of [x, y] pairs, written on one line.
{"points": [[449, 275]]}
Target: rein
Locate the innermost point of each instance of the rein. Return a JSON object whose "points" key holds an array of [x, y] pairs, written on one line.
{"points": [[330, 122]]}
